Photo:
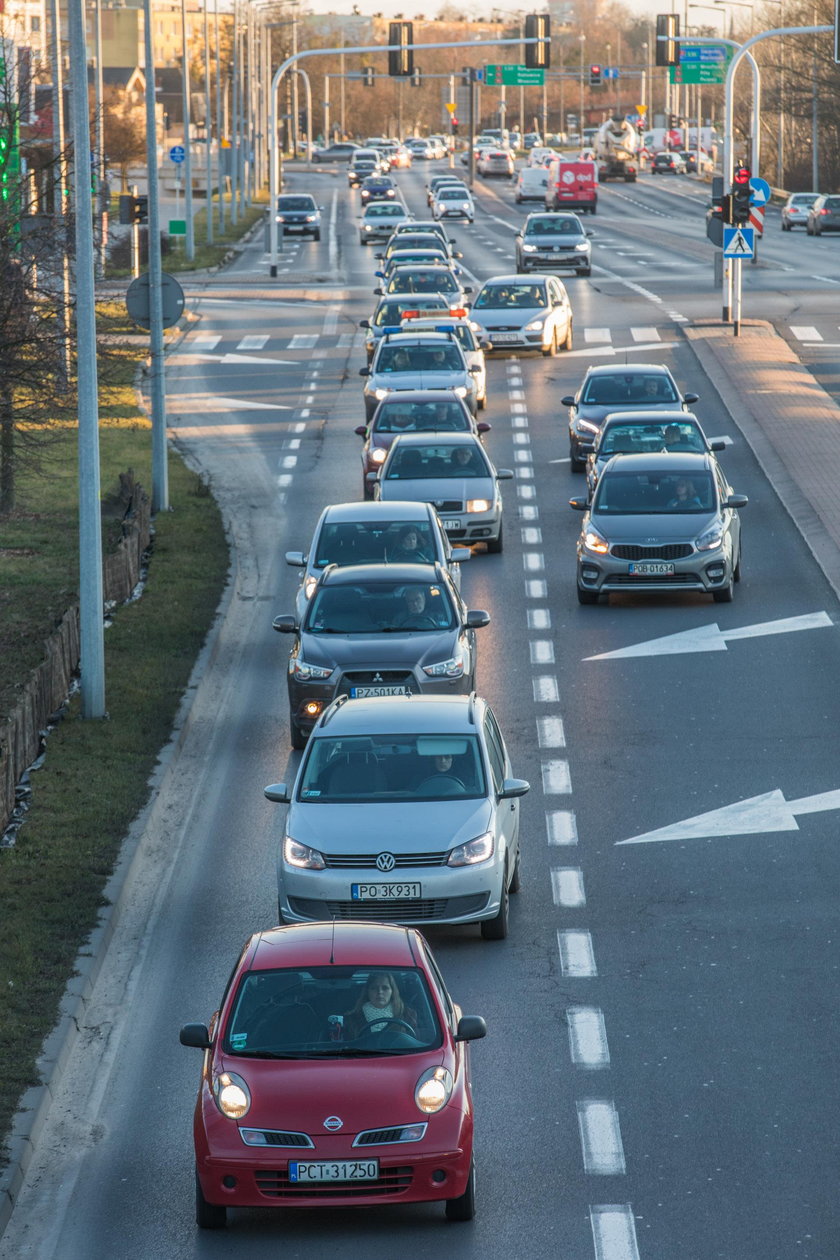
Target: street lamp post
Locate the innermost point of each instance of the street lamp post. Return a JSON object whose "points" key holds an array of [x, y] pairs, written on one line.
{"points": [[582, 39]]}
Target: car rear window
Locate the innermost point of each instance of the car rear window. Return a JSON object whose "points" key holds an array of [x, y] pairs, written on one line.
{"points": [[392, 768]]}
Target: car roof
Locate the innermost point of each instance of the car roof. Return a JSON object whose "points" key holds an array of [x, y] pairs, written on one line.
{"points": [[395, 510], [517, 277], [350, 574], [435, 268], [643, 416], [408, 715], [623, 369], [402, 396], [341, 944], [663, 461], [418, 339], [446, 438]]}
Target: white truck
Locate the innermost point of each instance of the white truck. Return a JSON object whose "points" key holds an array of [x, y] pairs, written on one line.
{"points": [[616, 145]]}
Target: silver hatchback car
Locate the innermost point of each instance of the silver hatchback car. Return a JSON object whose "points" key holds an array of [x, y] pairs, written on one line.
{"points": [[405, 810], [666, 522]]}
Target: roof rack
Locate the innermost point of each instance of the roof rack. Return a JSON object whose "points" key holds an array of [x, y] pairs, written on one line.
{"points": [[331, 709]]}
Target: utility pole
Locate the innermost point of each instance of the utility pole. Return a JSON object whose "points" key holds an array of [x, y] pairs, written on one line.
{"points": [[189, 240], [157, 383], [59, 178]]}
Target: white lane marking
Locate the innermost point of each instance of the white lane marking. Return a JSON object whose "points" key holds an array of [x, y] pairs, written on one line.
{"points": [[542, 652], [331, 321], [534, 561], [242, 404], [767, 812], [521, 439], [546, 690], [611, 351], [596, 334], [551, 732], [525, 473], [522, 457], [588, 1037], [645, 334], [577, 958], [538, 618], [305, 411], [303, 341], [289, 461], [186, 353], [332, 249], [255, 341], [285, 479], [561, 827], [613, 1231], [529, 512], [805, 332], [310, 398], [525, 492], [600, 1137], [519, 422], [712, 639], [345, 341], [531, 536], [518, 408], [536, 589], [293, 444], [567, 887], [298, 428], [516, 395], [203, 341], [556, 780]]}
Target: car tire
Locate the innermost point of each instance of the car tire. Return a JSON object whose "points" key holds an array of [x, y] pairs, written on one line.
{"points": [[550, 351], [725, 595], [496, 929], [569, 340], [586, 272], [785, 227], [516, 877], [208, 1215], [736, 572], [496, 545], [297, 737], [809, 230], [482, 403], [576, 464], [316, 236], [463, 1208], [586, 597]]}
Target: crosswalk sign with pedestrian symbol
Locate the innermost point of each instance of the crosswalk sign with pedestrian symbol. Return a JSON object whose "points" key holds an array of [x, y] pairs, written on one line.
{"points": [[738, 242]]}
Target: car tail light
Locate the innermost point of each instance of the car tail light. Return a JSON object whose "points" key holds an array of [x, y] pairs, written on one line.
{"points": [[824, 211]]}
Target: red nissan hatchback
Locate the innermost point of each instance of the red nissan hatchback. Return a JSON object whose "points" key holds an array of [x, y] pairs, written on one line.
{"points": [[336, 1073]]}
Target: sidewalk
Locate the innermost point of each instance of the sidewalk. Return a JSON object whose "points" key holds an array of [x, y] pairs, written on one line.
{"points": [[790, 422]]}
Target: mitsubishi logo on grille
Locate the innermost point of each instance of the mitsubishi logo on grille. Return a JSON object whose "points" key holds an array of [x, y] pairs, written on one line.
{"points": [[377, 678], [385, 862], [333, 1123]]}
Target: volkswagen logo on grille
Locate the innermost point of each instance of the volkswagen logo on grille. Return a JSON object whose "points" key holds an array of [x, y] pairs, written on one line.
{"points": [[333, 1123], [386, 862]]}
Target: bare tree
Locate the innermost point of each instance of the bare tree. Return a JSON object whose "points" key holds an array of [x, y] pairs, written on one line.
{"points": [[125, 132]]}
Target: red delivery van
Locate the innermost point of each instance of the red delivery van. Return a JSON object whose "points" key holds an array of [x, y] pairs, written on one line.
{"points": [[572, 185]]}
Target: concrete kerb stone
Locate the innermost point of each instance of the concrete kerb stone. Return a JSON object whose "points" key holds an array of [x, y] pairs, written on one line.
{"points": [[791, 424]]}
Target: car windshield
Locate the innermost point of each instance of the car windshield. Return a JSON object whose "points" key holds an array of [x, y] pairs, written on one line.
{"points": [[438, 358], [374, 542], [295, 203], [381, 607], [421, 463], [390, 313], [414, 417], [629, 389], [643, 438], [392, 768], [423, 282], [384, 210], [553, 227], [516, 296], [332, 1012], [654, 493], [452, 194]]}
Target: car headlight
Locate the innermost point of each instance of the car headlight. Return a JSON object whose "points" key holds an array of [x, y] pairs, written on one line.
{"points": [[474, 851], [479, 505], [379, 455], [433, 1090], [460, 391], [529, 249], [310, 218], [381, 393], [587, 426], [300, 855], [308, 673], [711, 539], [453, 668], [535, 325], [232, 1095], [584, 247], [367, 227], [281, 218], [595, 541]]}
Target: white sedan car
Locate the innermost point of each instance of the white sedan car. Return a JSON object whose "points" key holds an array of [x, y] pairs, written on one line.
{"points": [[453, 202]]}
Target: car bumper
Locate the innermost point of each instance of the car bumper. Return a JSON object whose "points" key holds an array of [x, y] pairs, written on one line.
{"points": [[307, 701], [566, 261], [707, 571]]}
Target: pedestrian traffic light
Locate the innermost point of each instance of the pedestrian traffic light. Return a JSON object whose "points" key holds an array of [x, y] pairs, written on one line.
{"points": [[538, 26], [667, 48], [741, 195], [594, 76], [367, 76], [415, 77], [400, 55]]}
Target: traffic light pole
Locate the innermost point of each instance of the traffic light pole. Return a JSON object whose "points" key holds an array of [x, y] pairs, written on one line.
{"points": [[274, 153]]}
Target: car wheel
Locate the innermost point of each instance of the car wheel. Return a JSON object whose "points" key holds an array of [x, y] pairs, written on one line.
{"points": [[809, 230], [587, 597], [496, 929], [736, 572], [785, 227], [592, 211], [463, 1208], [550, 350], [208, 1215], [576, 464], [817, 232], [725, 595], [585, 272], [495, 545], [516, 877], [569, 341], [482, 403], [297, 738], [316, 236]]}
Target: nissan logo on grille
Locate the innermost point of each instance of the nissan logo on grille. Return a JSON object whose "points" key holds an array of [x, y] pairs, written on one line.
{"points": [[385, 862], [333, 1123]]}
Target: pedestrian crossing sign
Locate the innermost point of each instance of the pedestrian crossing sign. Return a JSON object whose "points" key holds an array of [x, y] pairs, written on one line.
{"points": [[738, 242]]}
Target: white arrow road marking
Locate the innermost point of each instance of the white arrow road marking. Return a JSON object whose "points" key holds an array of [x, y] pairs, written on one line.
{"points": [[713, 639], [241, 404], [611, 351], [768, 812], [231, 358]]}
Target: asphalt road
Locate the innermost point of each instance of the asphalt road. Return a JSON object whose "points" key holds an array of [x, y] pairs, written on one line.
{"points": [[659, 1080]]}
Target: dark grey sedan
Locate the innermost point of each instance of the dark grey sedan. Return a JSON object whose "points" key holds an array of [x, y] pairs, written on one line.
{"points": [[547, 241], [378, 630]]}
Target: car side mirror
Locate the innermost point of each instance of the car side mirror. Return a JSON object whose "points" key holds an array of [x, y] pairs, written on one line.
{"points": [[468, 289], [486, 343], [365, 371], [456, 253], [579, 505], [475, 370], [371, 478], [361, 429], [504, 474], [568, 401], [717, 445], [476, 618], [277, 792], [286, 623], [364, 323], [296, 559], [196, 1036], [514, 787], [379, 256], [483, 426], [590, 233], [458, 555], [471, 1028], [378, 292], [737, 501], [691, 398], [379, 273], [518, 236]]}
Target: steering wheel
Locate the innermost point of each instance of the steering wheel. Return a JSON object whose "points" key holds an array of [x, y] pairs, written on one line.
{"points": [[423, 621], [442, 783], [368, 1031]]}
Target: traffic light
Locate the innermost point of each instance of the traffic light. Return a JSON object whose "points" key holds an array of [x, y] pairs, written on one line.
{"points": [[538, 26], [741, 194], [367, 76], [415, 77], [467, 74], [594, 76], [401, 57], [9, 157], [667, 49], [133, 209], [454, 126]]}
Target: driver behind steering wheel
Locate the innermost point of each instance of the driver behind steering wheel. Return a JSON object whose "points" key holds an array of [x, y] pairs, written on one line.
{"points": [[379, 1008]]}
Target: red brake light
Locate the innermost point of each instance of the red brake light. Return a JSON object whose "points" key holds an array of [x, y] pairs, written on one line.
{"points": [[458, 313], [410, 315]]}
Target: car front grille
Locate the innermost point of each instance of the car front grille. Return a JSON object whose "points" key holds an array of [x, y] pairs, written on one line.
{"points": [[689, 580], [394, 912], [274, 1184], [380, 1137], [502, 328], [379, 677], [673, 551], [367, 861], [274, 1137], [450, 505]]}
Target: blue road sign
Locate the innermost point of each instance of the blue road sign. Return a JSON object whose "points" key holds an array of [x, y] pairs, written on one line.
{"points": [[610, 72], [738, 242], [177, 153], [760, 192]]}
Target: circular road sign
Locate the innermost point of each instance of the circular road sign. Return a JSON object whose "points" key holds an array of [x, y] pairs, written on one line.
{"points": [[177, 153], [760, 191], [137, 300]]}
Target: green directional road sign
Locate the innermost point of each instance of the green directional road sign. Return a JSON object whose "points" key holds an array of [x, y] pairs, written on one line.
{"points": [[177, 227], [701, 63], [513, 76]]}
